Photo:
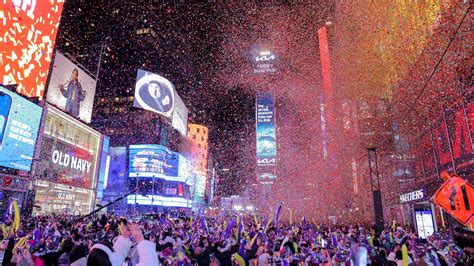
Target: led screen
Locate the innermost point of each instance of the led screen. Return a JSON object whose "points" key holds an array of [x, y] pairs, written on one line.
{"points": [[19, 125], [154, 93], [116, 179], [152, 160], [27, 34], [180, 116], [199, 188], [266, 139], [71, 89], [424, 222]]}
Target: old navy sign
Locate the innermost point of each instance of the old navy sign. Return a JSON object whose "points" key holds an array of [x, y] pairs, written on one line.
{"points": [[70, 161], [412, 196]]}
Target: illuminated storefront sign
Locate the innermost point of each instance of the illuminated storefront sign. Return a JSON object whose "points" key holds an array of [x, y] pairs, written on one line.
{"points": [[412, 196], [59, 198], [69, 151]]}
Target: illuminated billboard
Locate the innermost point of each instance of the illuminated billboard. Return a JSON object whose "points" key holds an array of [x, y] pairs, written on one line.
{"points": [[152, 160], [27, 34], [157, 200], [265, 129], [19, 125], [154, 93], [199, 188], [116, 181], [263, 59], [71, 89], [69, 151], [180, 116]]}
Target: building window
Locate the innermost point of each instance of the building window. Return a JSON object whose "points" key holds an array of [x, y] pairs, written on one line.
{"points": [[202, 138], [199, 145], [194, 136], [198, 130]]}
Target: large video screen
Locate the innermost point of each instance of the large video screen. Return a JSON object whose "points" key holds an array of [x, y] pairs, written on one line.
{"points": [[71, 89], [69, 151], [27, 34], [266, 138], [19, 125], [152, 160], [154, 93], [180, 116], [65, 163], [116, 181]]}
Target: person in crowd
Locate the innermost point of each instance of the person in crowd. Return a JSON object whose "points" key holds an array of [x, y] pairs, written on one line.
{"points": [[159, 239]]}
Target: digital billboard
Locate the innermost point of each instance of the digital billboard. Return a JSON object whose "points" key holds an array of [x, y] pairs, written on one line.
{"points": [[152, 160], [180, 116], [27, 34], [199, 188], [71, 89], [116, 181], [263, 59], [69, 151], [159, 201], [154, 93], [265, 129], [103, 167], [19, 125], [66, 163]]}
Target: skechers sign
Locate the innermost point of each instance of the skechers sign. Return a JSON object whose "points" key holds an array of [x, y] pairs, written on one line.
{"points": [[266, 139], [412, 196], [263, 59], [154, 93]]}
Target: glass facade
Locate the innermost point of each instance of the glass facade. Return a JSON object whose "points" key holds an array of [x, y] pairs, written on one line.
{"points": [[67, 168]]}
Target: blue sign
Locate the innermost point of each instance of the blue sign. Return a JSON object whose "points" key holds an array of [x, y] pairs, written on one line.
{"points": [[104, 160], [154, 93], [154, 161], [266, 138], [116, 179], [19, 125]]}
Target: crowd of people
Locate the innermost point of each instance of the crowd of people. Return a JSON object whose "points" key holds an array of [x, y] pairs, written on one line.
{"points": [[159, 239]]}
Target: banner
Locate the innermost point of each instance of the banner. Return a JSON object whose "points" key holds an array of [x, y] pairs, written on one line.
{"points": [[265, 130], [154, 93], [27, 34], [71, 89], [19, 125]]}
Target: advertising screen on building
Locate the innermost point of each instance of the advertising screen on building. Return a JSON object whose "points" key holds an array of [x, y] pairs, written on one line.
{"points": [[116, 181], [152, 160], [19, 125], [71, 89], [199, 188], [180, 116], [266, 138], [69, 151], [27, 34], [263, 59], [154, 93], [103, 167]]}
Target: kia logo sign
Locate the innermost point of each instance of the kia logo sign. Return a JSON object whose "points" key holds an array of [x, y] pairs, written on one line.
{"points": [[265, 58], [154, 93], [266, 161]]}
